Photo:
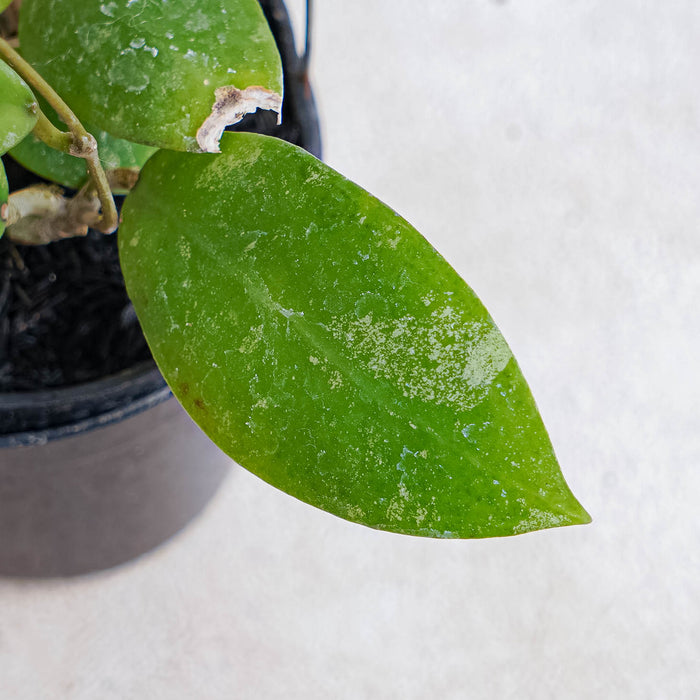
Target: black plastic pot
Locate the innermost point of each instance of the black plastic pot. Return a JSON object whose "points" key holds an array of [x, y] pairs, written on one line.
{"points": [[129, 471], [94, 475]]}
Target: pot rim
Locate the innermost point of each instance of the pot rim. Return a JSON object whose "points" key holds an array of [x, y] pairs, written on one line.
{"points": [[100, 402]]}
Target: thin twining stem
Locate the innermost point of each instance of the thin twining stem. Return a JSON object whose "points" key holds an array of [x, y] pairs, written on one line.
{"points": [[81, 144]]}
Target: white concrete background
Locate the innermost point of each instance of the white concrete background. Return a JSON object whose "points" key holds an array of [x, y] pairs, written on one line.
{"points": [[551, 151]]}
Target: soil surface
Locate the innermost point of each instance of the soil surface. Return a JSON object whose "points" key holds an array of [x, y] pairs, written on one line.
{"points": [[65, 317]]}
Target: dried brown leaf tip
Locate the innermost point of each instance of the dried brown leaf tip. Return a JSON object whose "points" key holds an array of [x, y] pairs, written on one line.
{"points": [[230, 106]]}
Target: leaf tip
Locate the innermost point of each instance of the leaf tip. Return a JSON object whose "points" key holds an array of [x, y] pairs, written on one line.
{"points": [[570, 513], [230, 106], [583, 517]]}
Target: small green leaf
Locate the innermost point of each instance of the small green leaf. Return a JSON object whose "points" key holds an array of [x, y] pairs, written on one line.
{"points": [[169, 74], [17, 108], [321, 341], [4, 193], [121, 159]]}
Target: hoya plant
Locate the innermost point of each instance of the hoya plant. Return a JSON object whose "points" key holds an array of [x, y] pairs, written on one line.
{"points": [[311, 332]]}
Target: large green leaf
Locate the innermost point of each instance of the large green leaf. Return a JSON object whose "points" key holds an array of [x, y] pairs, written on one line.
{"points": [[169, 74], [17, 108], [4, 193], [322, 342], [121, 159]]}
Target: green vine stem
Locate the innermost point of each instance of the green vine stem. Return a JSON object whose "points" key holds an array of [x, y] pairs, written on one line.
{"points": [[78, 143], [50, 135]]}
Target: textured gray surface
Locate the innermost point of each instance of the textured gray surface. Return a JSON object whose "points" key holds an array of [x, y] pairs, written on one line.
{"points": [[551, 151]]}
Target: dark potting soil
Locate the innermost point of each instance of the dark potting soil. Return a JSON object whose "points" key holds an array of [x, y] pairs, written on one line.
{"points": [[65, 317]]}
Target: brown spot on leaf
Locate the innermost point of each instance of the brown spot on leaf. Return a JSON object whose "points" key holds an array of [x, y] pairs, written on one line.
{"points": [[121, 179], [199, 403]]}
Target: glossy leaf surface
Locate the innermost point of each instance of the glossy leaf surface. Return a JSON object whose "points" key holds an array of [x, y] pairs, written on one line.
{"points": [[3, 198], [121, 159], [323, 343], [150, 72], [17, 108]]}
